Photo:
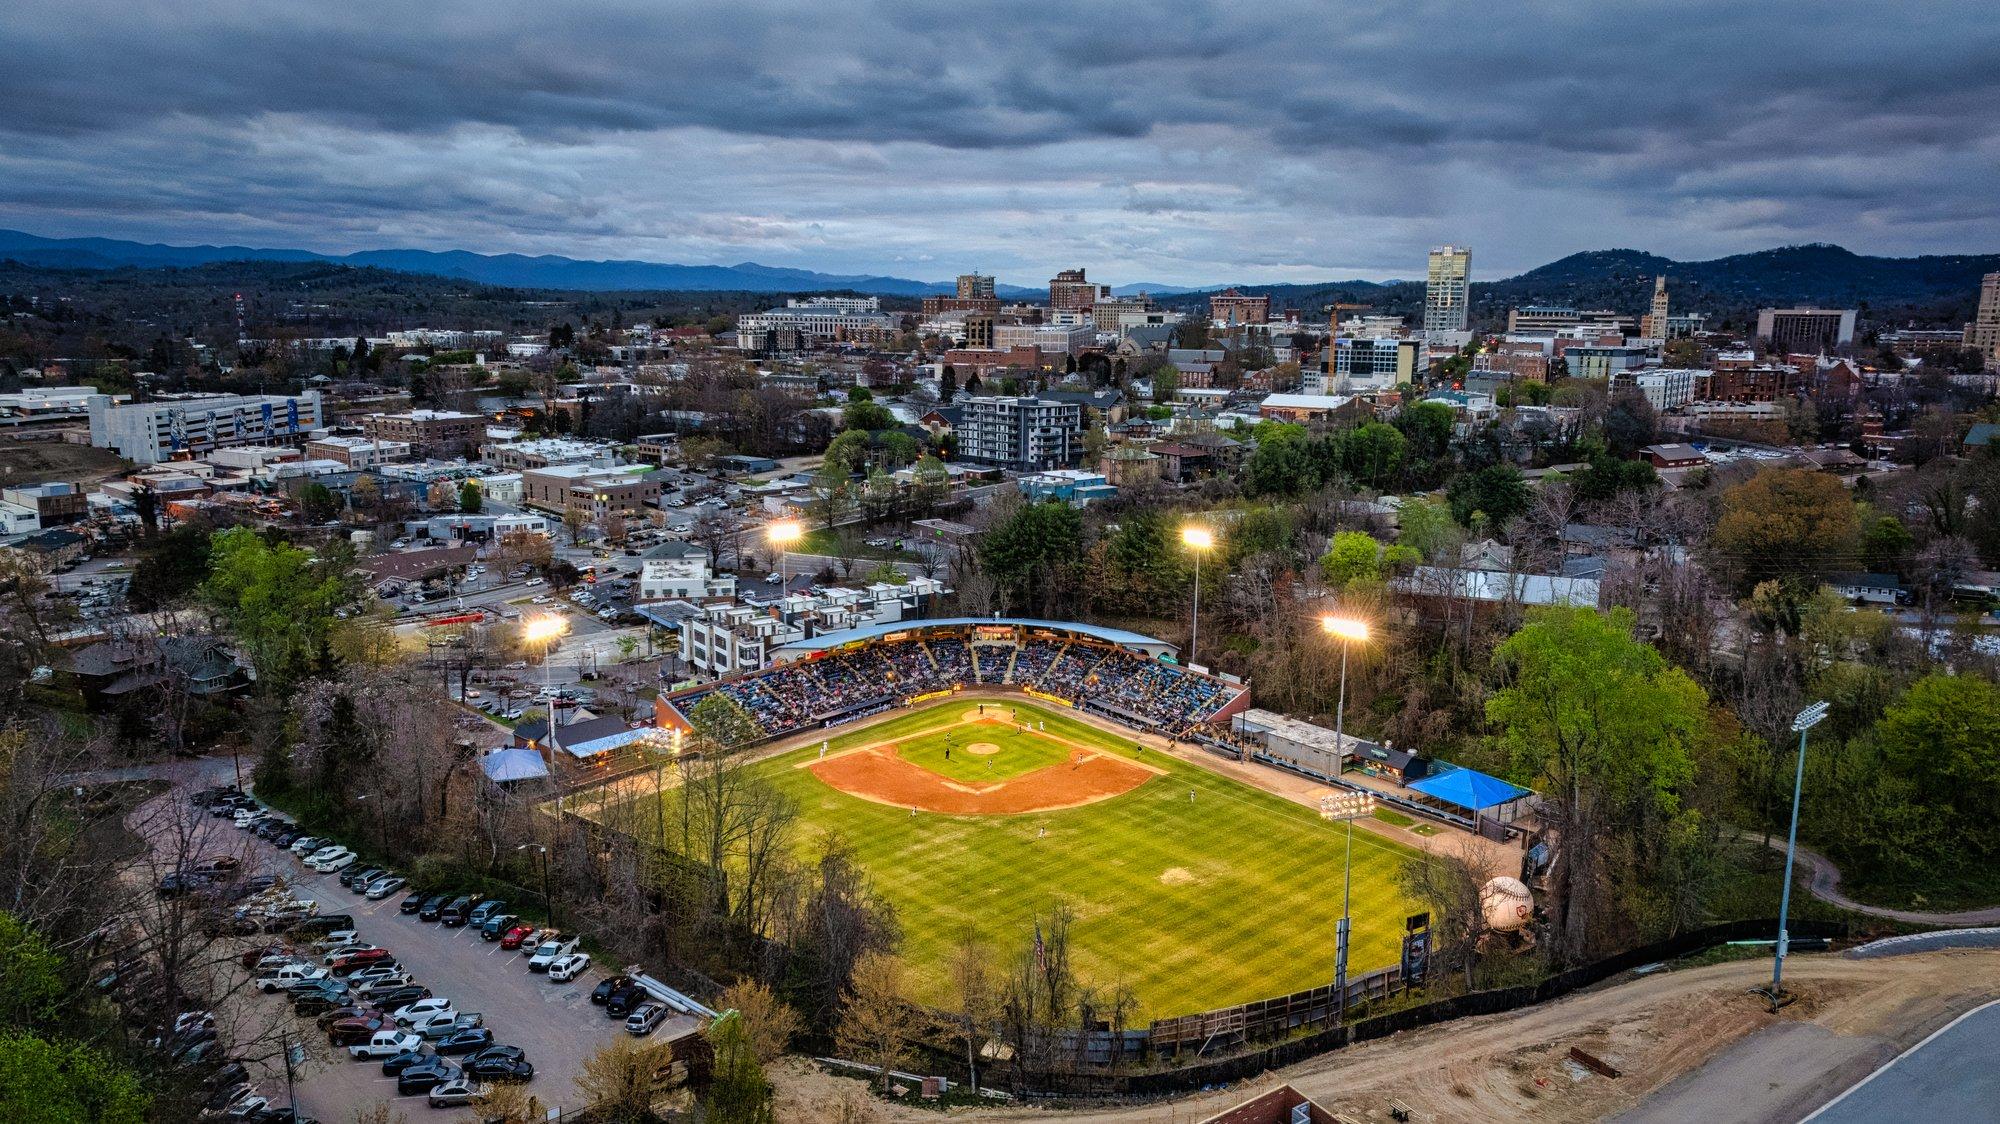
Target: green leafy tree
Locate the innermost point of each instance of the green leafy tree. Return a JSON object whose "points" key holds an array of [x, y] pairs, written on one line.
{"points": [[1426, 527], [1033, 554], [739, 1094], [721, 721], [1607, 476], [44, 1081], [899, 448], [1352, 557], [867, 417], [947, 385], [1498, 491], [1606, 731], [1373, 453], [848, 453], [470, 498], [170, 567], [318, 503], [278, 599], [1943, 736], [1428, 426], [31, 976], [1886, 544]]}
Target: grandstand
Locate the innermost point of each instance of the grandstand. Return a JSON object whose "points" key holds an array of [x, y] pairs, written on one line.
{"points": [[845, 676]]}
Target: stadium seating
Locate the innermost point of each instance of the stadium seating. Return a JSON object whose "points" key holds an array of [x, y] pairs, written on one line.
{"points": [[1109, 679]]}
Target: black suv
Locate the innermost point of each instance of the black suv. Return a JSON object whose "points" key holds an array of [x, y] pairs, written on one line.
{"points": [[415, 902], [454, 914], [624, 999], [433, 907]]}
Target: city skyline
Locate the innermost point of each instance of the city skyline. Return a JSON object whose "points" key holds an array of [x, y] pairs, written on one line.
{"points": [[1190, 145]]}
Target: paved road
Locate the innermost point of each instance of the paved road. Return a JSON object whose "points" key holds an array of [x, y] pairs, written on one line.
{"points": [[1948, 1076], [1773, 1076]]}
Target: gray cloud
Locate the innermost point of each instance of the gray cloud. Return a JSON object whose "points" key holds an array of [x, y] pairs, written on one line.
{"points": [[1179, 141]]}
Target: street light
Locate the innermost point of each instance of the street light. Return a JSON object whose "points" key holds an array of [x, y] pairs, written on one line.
{"points": [[1198, 539], [783, 535], [545, 631], [548, 903], [1337, 807], [1806, 720], [1348, 631]]}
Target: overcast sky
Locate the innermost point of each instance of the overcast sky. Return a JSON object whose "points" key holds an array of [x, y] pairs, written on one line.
{"points": [[1184, 142]]}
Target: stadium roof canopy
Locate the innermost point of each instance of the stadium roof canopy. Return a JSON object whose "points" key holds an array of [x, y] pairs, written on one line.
{"points": [[1469, 788], [830, 640]]}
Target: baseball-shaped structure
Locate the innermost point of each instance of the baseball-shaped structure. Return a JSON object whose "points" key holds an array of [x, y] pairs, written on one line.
{"points": [[1506, 903]]}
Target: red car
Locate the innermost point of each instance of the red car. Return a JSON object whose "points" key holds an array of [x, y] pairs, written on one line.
{"points": [[353, 1032], [516, 935], [355, 961], [259, 952]]}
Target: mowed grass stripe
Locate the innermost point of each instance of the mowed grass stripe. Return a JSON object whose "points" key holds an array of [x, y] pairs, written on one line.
{"points": [[1193, 904]]}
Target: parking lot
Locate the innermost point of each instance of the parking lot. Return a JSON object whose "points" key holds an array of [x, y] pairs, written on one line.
{"points": [[556, 1024]]}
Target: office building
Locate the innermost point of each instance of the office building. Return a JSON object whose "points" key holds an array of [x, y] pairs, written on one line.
{"points": [[519, 456], [1805, 330], [1983, 334], [1229, 308], [441, 434], [1071, 290], [1447, 289], [1050, 339], [975, 286], [1511, 360], [53, 502], [595, 493], [1023, 434], [1654, 326], [813, 322], [1593, 361], [357, 452], [182, 426]]}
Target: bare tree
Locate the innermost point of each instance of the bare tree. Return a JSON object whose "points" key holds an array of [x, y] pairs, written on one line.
{"points": [[877, 1024]]}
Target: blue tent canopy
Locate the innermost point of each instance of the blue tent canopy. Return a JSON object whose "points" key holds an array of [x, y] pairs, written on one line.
{"points": [[1469, 788]]}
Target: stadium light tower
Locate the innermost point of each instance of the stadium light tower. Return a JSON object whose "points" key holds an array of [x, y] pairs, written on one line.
{"points": [[1806, 720], [1199, 540], [783, 535], [1348, 631], [1338, 807]]}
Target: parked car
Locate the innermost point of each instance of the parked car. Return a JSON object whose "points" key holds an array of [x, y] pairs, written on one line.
{"points": [[306, 845], [535, 940], [513, 938], [624, 999], [460, 1090], [423, 1009], [385, 1044], [497, 925], [349, 1032], [363, 959], [567, 968], [603, 990], [383, 887], [444, 1023], [455, 914], [318, 998], [378, 974], [413, 903], [397, 1064], [424, 1076], [344, 950], [395, 995], [281, 978], [500, 1063], [326, 1019], [358, 877], [339, 860], [645, 1018], [484, 910], [466, 1040], [549, 953], [433, 907]]}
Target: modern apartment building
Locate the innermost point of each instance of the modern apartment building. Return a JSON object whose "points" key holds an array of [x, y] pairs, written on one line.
{"points": [[1447, 289], [975, 286], [1024, 434], [192, 424], [1806, 331], [1595, 361], [595, 492], [429, 433], [1071, 290], [1058, 339], [1367, 364], [1983, 334]]}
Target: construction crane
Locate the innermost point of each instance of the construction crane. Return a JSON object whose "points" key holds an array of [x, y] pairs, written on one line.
{"points": [[1334, 310]]}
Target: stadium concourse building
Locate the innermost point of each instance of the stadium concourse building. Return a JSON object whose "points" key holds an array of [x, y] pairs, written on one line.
{"points": [[840, 677]]}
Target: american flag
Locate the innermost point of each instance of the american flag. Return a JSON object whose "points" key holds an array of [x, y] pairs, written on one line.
{"points": [[1041, 950]]}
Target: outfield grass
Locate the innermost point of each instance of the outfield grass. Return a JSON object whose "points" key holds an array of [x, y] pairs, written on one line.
{"points": [[1194, 903]]}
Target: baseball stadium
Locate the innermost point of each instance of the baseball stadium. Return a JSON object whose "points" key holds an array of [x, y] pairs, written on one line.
{"points": [[983, 769]]}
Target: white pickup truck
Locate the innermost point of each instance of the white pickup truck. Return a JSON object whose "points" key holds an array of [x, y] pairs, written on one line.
{"points": [[289, 974], [386, 1044]]}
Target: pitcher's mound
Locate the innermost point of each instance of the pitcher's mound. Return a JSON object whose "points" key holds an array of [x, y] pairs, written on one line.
{"points": [[982, 749]]}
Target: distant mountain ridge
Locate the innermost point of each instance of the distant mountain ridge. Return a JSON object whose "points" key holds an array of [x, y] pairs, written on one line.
{"points": [[1816, 273]]}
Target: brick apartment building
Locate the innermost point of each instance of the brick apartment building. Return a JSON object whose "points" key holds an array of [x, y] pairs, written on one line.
{"points": [[429, 433]]}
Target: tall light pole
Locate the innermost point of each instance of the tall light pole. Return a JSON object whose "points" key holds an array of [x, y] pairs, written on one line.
{"points": [[783, 535], [1199, 540], [548, 903], [1347, 630], [1806, 720], [545, 631], [1348, 807]]}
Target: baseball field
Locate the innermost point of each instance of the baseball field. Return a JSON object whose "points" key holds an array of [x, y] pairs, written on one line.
{"points": [[1195, 890]]}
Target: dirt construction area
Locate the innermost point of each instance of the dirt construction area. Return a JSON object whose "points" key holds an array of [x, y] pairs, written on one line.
{"points": [[881, 772], [1689, 1044]]}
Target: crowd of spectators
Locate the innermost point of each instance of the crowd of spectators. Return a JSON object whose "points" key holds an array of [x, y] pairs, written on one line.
{"points": [[1113, 680]]}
